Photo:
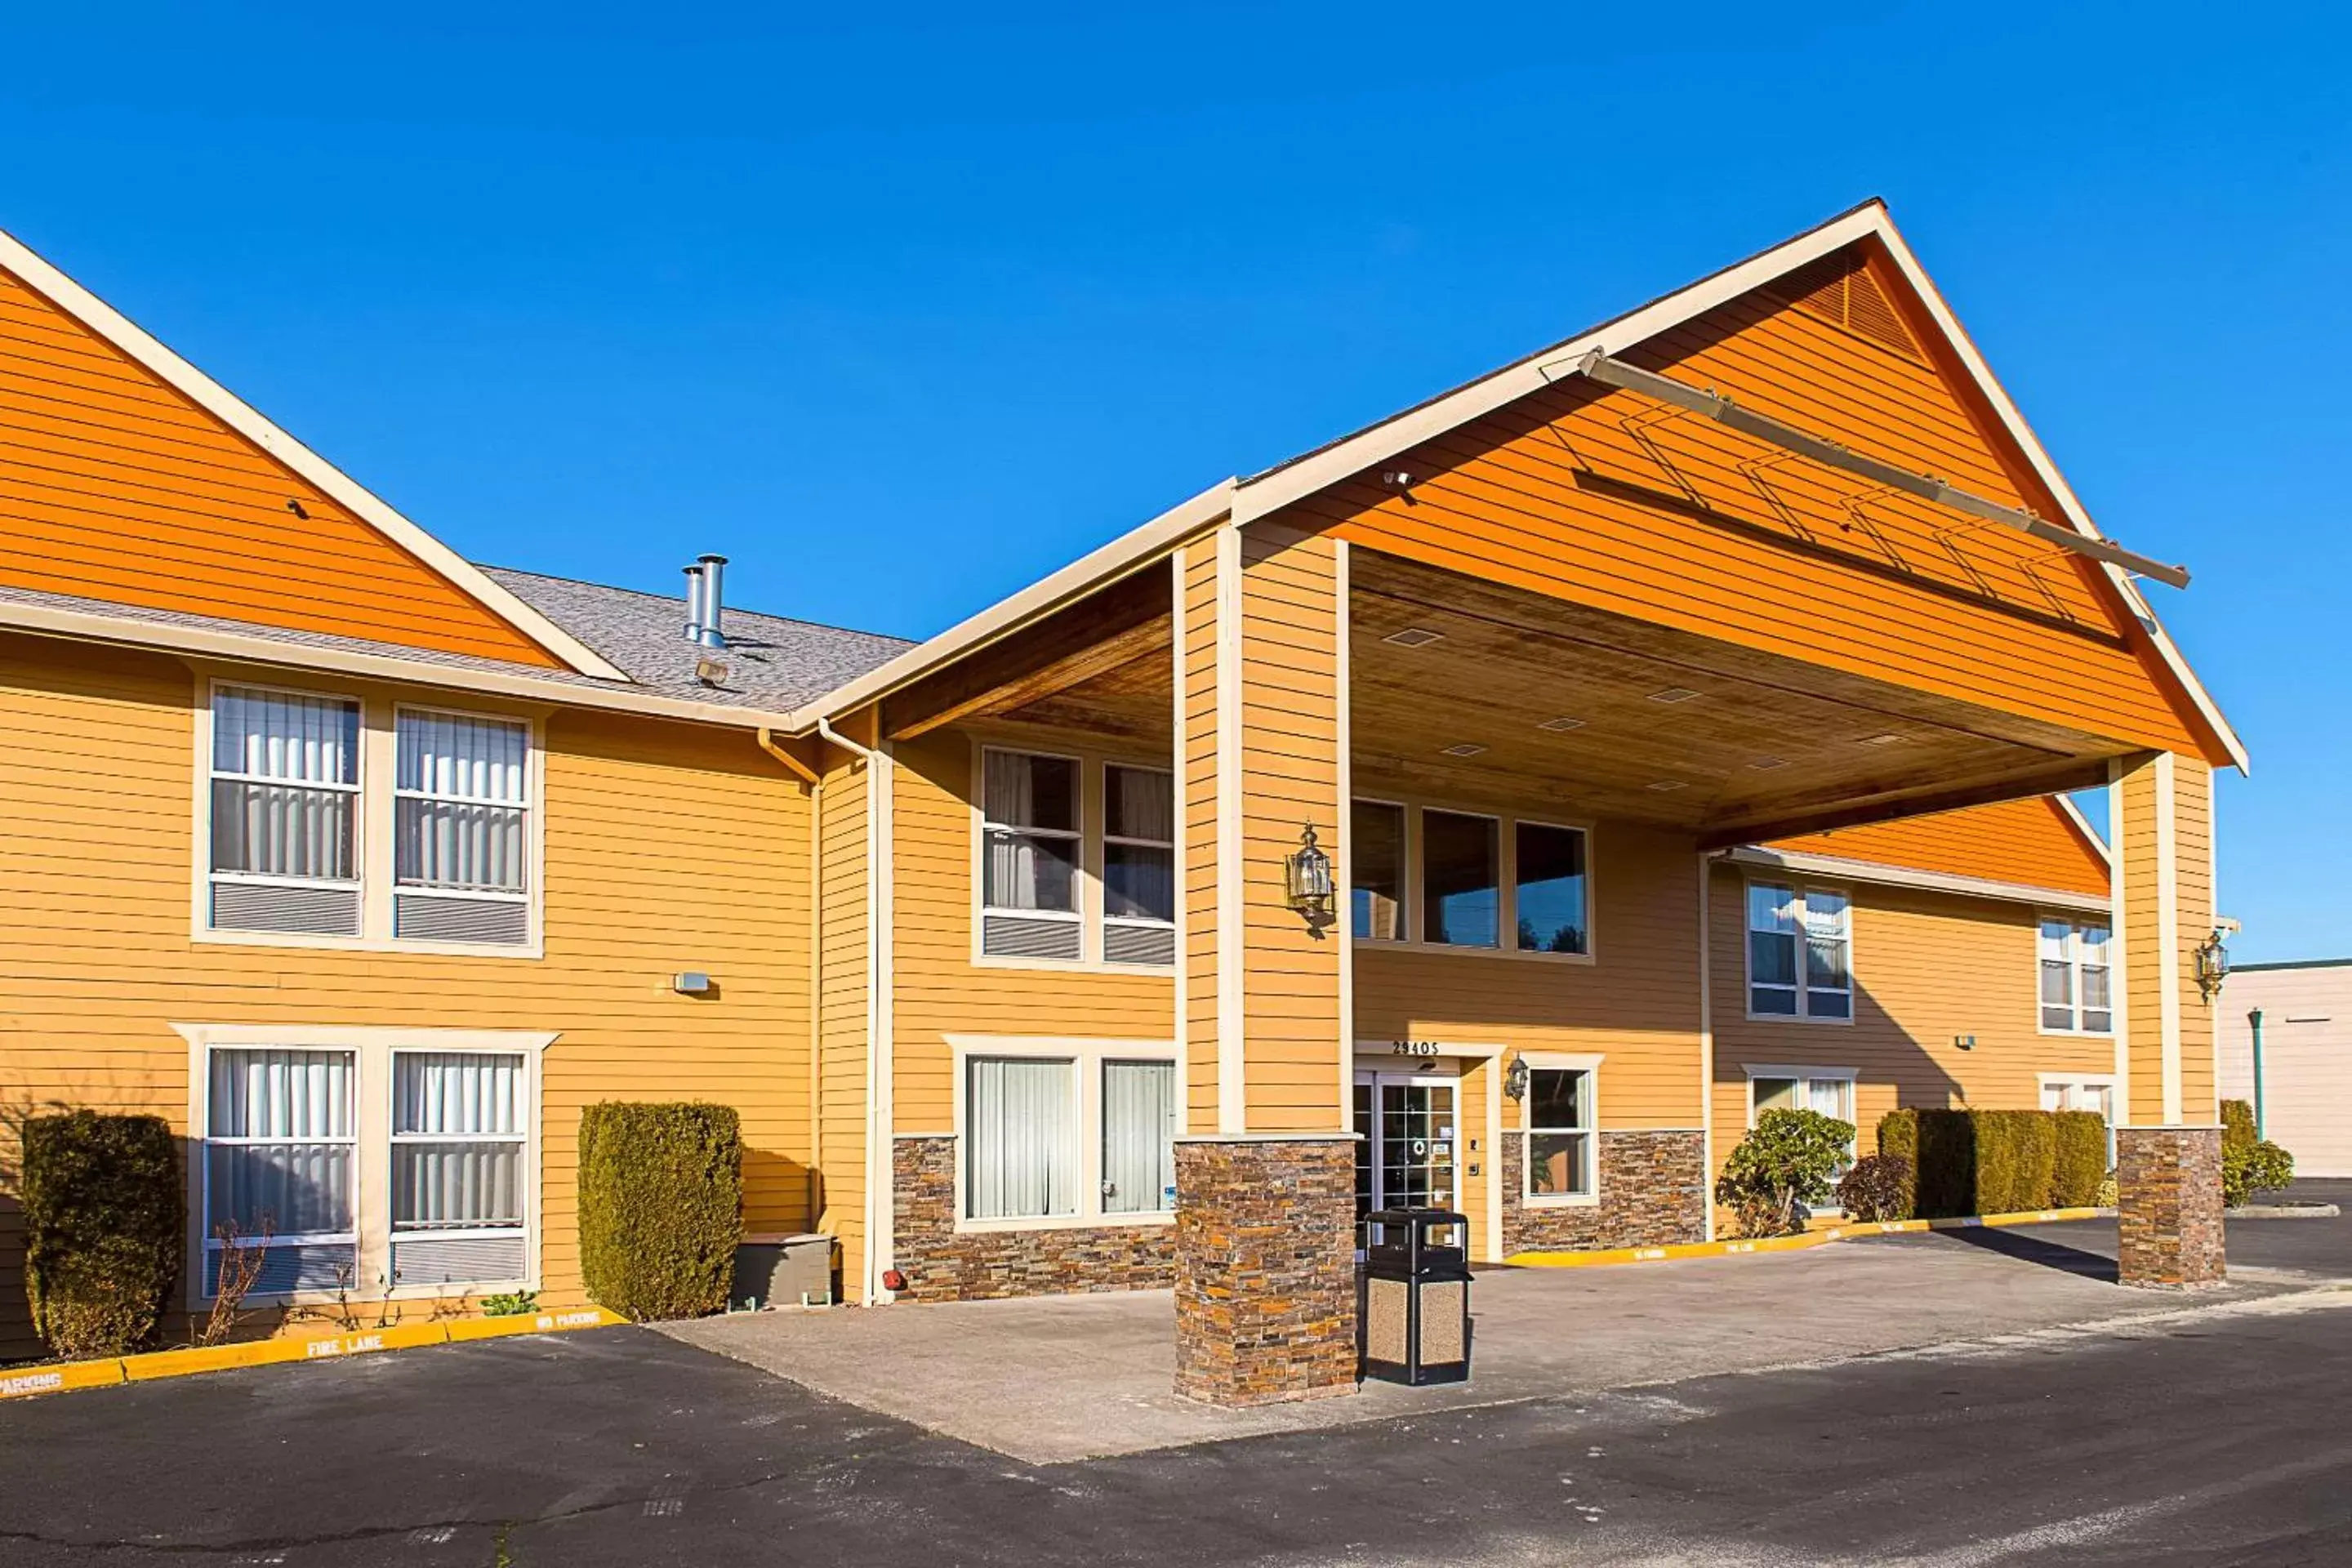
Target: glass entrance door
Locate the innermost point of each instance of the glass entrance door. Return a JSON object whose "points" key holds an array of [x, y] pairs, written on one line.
{"points": [[1406, 1128]]}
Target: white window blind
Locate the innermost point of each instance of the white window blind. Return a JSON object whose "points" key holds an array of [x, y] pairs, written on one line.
{"points": [[1138, 1151], [282, 1128], [462, 799], [284, 791], [1020, 1138], [457, 1131], [2075, 978]]}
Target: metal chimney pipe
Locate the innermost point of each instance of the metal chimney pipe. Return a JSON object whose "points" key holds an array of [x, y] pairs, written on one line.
{"points": [[714, 576], [693, 603]]}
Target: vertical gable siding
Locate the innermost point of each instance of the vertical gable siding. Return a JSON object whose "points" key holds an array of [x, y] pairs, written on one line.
{"points": [[668, 847], [114, 486], [2024, 841], [1590, 495]]}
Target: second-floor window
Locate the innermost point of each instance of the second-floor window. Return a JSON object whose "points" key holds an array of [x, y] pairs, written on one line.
{"points": [[2075, 997], [1029, 856], [1800, 953], [285, 812], [459, 828], [1138, 865], [1078, 860]]}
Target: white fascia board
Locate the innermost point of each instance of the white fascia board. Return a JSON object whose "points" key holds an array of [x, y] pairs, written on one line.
{"points": [[83, 626], [1278, 488], [1122, 557], [2076, 514], [1839, 868], [233, 411]]}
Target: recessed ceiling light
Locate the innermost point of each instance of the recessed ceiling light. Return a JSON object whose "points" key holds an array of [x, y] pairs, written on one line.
{"points": [[1881, 740], [1414, 636], [1465, 749], [1673, 694], [1664, 784], [1766, 764], [1561, 724]]}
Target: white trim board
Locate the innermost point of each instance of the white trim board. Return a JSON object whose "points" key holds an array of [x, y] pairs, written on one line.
{"points": [[1798, 863], [346, 492]]}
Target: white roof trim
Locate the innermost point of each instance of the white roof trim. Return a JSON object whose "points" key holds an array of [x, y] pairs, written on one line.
{"points": [[1122, 557], [227, 407], [2083, 824], [1838, 867], [51, 620]]}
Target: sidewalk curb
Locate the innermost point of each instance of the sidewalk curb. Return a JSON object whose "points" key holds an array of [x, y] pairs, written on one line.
{"points": [[116, 1370], [1799, 1243]]}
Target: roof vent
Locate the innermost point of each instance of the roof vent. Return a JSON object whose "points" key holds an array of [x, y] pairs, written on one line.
{"points": [[704, 603]]}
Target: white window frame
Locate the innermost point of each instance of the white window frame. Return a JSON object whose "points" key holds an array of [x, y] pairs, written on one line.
{"points": [[527, 805], [374, 829], [1558, 1061], [1087, 1057], [1798, 889], [371, 1049], [201, 1183], [393, 1137], [1507, 849], [1090, 918], [1102, 771], [208, 774], [1850, 1076], [2074, 922], [2046, 1081]]}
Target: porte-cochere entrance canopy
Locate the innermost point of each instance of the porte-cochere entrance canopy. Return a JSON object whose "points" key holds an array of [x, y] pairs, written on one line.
{"points": [[1855, 592]]}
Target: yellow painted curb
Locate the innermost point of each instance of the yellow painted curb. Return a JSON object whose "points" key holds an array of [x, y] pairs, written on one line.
{"points": [[265, 1352], [1798, 1243]]}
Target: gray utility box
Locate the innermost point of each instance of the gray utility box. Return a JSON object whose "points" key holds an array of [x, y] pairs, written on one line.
{"points": [[782, 1271]]}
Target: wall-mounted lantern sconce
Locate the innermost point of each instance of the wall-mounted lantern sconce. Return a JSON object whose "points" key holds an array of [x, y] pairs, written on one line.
{"points": [[1514, 1078], [1306, 877], [2212, 964]]}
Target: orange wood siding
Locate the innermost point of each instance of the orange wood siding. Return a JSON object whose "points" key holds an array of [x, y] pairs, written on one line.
{"points": [[938, 989], [1636, 1004], [843, 872], [1589, 495], [1928, 967], [668, 847], [1196, 676], [115, 486], [2031, 842], [2148, 966]]}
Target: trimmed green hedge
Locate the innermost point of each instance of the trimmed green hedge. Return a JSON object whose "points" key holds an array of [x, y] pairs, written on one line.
{"points": [[105, 1229], [661, 1206], [1998, 1162]]}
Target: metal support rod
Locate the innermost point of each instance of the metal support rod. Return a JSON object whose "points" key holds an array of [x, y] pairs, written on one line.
{"points": [[1600, 367]]}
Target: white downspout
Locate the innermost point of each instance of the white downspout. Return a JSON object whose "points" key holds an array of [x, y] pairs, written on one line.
{"points": [[879, 1022]]}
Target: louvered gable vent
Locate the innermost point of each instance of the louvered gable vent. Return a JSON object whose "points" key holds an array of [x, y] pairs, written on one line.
{"points": [[1839, 288]]}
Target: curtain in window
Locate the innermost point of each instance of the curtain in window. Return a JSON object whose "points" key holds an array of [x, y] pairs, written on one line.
{"points": [[1139, 879], [1771, 948], [294, 1116], [1138, 1136], [284, 817], [1033, 870], [460, 815], [1022, 1149], [470, 1105]]}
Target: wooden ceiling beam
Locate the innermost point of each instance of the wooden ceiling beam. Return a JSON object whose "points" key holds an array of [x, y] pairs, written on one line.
{"points": [[1151, 637], [1918, 800], [1064, 643]]}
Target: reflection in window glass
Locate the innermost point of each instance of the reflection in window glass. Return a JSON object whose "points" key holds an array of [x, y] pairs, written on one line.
{"points": [[1460, 896], [1560, 1132], [1549, 885], [1376, 852]]}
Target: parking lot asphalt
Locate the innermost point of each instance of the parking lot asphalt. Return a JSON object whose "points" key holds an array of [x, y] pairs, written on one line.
{"points": [[2208, 1433]]}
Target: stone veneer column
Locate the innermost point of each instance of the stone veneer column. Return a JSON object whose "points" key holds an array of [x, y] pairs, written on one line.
{"points": [[2171, 1228], [1266, 1277], [2168, 1142]]}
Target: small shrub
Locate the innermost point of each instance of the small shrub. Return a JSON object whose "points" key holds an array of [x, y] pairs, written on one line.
{"points": [[2238, 1124], [2108, 1196], [241, 1258], [515, 1304], [2082, 1159], [1787, 1159], [2260, 1166], [105, 1225], [1878, 1188], [661, 1205]]}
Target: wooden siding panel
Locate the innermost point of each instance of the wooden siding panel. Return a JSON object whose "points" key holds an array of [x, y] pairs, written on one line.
{"points": [[2031, 842], [116, 487], [668, 847]]}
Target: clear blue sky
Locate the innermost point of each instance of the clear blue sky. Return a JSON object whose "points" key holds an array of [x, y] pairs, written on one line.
{"points": [[901, 314]]}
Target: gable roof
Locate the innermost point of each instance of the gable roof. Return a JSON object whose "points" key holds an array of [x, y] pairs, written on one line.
{"points": [[121, 334], [1242, 500]]}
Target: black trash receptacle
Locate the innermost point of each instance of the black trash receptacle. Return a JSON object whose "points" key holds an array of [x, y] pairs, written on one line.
{"points": [[1413, 1300]]}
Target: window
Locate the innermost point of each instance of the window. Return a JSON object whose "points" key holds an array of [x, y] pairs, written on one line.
{"points": [[1021, 1137], [1461, 899], [1029, 875], [1376, 855], [2091, 1093], [1799, 953], [1548, 888], [458, 1131], [1827, 1090], [2075, 996], [285, 813], [280, 1138], [1138, 865], [1559, 1132], [460, 830], [1139, 1147]]}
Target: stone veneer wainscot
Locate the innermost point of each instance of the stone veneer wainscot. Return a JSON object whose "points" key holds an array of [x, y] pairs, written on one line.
{"points": [[1265, 1268], [2169, 1206], [943, 1264], [1653, 1194]]}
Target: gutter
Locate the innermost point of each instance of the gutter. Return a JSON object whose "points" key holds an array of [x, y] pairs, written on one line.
{"points": [[879, 1024]]}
